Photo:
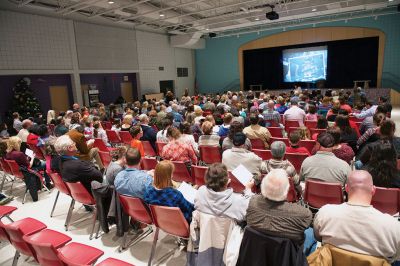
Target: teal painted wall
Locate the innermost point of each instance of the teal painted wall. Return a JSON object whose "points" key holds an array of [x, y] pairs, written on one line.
{"points": [[217, 64]]}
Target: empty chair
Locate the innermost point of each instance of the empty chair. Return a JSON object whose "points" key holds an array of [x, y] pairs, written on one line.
{"points": [[296, 159], [285, 140], [113, 137], [125, 137], [198, 173], [257, 144], [148, 163], [235, 184], [99, 143], [308, 144], [171, 221], [275, 132], [7, 173], [105, 158], [81, 195], [387, 200], [263, 154], [291, 123], [137, 209], [160, 146], [181, 173], [310, 124], [76, 254], [210, 154], [148, 149], [60, 185], [113, 262], [318, 193]]}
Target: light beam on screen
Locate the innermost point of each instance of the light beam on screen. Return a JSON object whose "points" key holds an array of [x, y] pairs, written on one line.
{"points": [[305, 64]]}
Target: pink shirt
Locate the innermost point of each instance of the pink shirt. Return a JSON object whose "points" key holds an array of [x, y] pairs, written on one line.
{"points": [[312, 117]]}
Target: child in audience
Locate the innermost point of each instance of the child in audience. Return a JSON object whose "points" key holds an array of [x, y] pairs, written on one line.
{"points": [[294, 140], [136, 133], [100, 133], [304, 133], [312, 116]]}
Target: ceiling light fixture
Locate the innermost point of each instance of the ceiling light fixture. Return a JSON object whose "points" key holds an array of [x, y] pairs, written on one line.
{"points": [[257, 19], [314, 9], [207, 29], [110, 2], [390, 0], [162, 14]]}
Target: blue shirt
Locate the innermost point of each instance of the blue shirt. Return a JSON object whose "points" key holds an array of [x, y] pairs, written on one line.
{"points": [[132, 182]]}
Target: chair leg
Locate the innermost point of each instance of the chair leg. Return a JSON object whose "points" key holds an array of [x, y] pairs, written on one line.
{"points": [[68, 219], [9, 218], [94, 223], [23, 200], [153, 247], [16, 257], [123, 242], [12, 184], [2, 182], [55, 202]]}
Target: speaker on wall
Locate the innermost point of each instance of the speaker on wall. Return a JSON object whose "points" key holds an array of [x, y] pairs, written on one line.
{"points": [[212, 35]]}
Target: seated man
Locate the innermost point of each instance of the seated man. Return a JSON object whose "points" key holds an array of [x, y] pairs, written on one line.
{"points": [[357, 226], [255, 131], [132, 181], [71, 168], [270, 213], [294, 139], [324, 165]]}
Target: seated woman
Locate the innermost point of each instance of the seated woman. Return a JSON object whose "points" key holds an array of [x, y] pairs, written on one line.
{"points": [[347, 134], [322, 123], [294, 139], [162, 191], [127, 123], [162, 134], [136, 132], [372, 134], [208, 139], [176, 150], [187, 136], [235, 128], [99, 132], [312, 116], [217, 199], [117, 165], [341, 150]]}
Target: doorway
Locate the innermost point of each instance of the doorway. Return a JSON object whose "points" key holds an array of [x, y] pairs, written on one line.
{"points": [[59, 98], [126, 91], [167, 85]]}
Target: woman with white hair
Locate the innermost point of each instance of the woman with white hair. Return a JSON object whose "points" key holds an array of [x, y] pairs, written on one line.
{"points": [[271, 214], [51, 117]]}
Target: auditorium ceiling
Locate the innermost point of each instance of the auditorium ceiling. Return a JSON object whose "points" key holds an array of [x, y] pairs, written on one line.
{"points": [[201, 17]]}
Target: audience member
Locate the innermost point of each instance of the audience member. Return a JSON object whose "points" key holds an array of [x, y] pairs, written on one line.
{"points": [[341, 150], [295, 113], [255, 131], [162, 134], [347, 134], [304, 133], [270, 114], [17, 124], [208, 139], [224, 129], [312, 116], [294, 140], [149, 134], [177, 150], [100, 133], [127, 123], [117, 165], [372, 134], [24, 132], [187, 137], [227, 142], [136, 133]]}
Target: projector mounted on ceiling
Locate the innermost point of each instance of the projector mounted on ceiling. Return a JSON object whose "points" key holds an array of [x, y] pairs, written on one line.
{"points": [[272, 15]]}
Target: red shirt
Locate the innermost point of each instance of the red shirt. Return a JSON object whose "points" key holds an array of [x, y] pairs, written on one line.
{"points": [[297, 150], [32, 139]]}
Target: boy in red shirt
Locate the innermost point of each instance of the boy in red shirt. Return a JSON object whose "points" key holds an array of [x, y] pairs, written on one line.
{"points": [[294, 139]]}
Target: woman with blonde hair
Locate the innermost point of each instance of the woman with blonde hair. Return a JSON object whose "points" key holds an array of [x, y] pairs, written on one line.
{"points": [[304, 133], [162, 191], [51, 117], [127, 123]]}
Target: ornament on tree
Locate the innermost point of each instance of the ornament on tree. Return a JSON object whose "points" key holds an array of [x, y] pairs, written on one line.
{"points": [[24, 101]]}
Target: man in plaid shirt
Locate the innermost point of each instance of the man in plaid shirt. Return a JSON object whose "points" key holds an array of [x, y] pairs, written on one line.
{"points": [[270, 114]]}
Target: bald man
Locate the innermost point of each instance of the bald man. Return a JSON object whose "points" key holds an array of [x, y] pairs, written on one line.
{"points": [[356, 226]]}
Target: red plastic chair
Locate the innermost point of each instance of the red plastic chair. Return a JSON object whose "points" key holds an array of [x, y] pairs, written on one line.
{"points": [[171, 221], [113, 137], [198, 173], [210, 154], [105, 158], [14, 168], [275, 132], [60, 185], [16, 230], [98, 143], [137, 209], [310, 124], [148, 163], [387, 200], [38, 151], [181, 173], [81, 195], [290, 130], [125, 137], [292, 195], [296, 159], [113, 262], [317, 130], [285, 140], [76, 254], [272, 123], [257, 144], [291, 123], [5, 211], [106, 125], [235, 184], [263, 154], [308, 144], [7, 173], [148, 149], [318, 193], [160, 146]]}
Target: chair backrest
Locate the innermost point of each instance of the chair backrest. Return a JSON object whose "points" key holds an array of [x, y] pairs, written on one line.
{"points": [[308, 144], [291, 123], [148, 163], [136, 208], [170, 220], [46, 253], [58, 182], [257, 144], [296, 159], [113, 136], [275, 132], [263, 154], [106, 125], [318, 193], [160, 145], [148, 149], [291, 129], [235, 184], [87, 257], [210, 154], [98, 143], [80, 194], [113, 262], [292, 195], [198, 173], [181, 173], [310, 124], [3, 234], [387, 200], [5, 167], [14, 168], [271, 123], [38, 152], [125, 137], [317, 130], [285, 140], [105, 157]]}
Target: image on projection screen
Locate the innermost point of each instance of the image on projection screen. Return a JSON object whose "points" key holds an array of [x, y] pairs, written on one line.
{"points": [[304, 64]]}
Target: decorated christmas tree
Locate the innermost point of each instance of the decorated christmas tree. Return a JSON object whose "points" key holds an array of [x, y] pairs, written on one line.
{"points": [[24, 101]]}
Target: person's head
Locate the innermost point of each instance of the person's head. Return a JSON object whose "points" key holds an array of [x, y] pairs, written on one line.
{"points": [[185, 128], [236, 127], [294, 137], [26, 123], [64, 145], [294, 102], [51, 115], [378, 118], [312, 109], [325, 142], [275, 185], [387, 129], [304, 133], [173, 133], [42, 130], [14, 144], [360, 187], [15, 115], [335, 132], [162, 174], [144, 119], [342, 121], [383, 99], [133, 157], [216, 177], [228, 118], [136, 132], [75, 106], [336, 104], [253, 119], [278, 149], [119, 154], [322, 123], [128, 119], [342, 100], [271, 104], [207, 127], [239, 139]]}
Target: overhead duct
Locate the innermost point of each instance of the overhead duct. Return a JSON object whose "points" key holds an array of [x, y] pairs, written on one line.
{"points": [[189, 41]]}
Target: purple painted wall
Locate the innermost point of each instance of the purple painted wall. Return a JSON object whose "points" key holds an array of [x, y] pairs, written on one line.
{"points": [[109, 85], [39, 84]]}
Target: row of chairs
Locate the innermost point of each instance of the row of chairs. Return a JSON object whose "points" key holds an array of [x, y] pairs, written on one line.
{"points": [[48, 247]]}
